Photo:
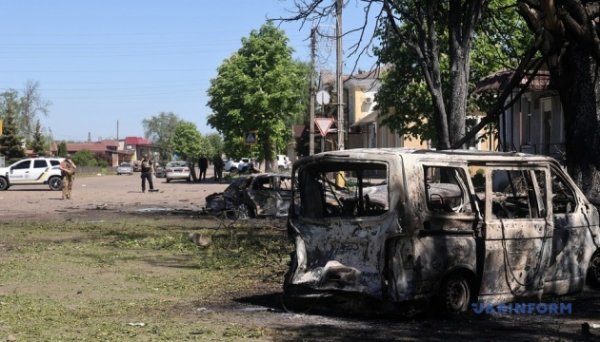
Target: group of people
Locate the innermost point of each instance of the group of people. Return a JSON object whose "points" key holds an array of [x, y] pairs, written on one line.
{"points": [[67, 168], [147, 167], [218, 165]]}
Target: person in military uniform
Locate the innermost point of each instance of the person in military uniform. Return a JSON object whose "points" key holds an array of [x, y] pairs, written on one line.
{"points": [[218, 167], [147, 172], [67, 170]]}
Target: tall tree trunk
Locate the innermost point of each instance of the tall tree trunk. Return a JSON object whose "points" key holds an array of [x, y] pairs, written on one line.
{"points": [[192, 167], [268, 151], [579, 89], [459, 80]]}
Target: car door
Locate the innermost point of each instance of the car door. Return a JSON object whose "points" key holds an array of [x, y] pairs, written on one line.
{"points": [[517, 232], [20, 172], [264, 195], [40, 167], [566, 273]]}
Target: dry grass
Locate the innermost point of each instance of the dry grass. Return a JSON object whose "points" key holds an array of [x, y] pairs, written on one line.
{"points": [[131, 281]]}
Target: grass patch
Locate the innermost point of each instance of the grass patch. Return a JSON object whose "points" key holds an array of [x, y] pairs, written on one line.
{"points": [[112, 281]]}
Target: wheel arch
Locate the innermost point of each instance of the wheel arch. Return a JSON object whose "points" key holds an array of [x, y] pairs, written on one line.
{"points": [[592, 274], [449, 281], [4, 178], [458, 269]]}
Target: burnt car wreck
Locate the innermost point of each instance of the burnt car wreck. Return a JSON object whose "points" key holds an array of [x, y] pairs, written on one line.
{"points": [[388, 227], [255, 195]]}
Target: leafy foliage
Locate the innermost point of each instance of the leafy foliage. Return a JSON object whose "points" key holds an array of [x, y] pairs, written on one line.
{"points": [[161, 129], [11, 144], [84, 158], [38, 144], [26, 107], [216, 144], [259, 88], [187, 141], [31, 105], [62, 149], [404, 99]]}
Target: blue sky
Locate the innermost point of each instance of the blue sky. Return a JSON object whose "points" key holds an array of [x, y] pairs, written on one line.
{"points": [[103, 61]]}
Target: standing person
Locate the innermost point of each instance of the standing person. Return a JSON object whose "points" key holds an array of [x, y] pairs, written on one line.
{"points": [[218, 167], [147, 172], [203, 165], [67, 170]]}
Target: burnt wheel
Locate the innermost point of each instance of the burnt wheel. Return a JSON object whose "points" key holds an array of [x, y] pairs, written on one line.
{"points": [[593, 275], [455, 294], [3, 183], [55, 183], [245, 211]]}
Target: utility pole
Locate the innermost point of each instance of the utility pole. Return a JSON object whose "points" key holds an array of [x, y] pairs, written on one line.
{"points": [[339, 71], [311, 124]]}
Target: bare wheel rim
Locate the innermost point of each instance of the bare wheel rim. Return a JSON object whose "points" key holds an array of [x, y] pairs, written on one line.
{"points": [[243, 211], [457, 295]]}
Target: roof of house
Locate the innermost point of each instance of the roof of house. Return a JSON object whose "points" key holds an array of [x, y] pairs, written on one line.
{"points": [[100, 146], [137, 141], [500, 79]]}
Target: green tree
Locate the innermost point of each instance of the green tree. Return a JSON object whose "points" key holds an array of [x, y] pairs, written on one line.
{"points": [[405, 100], [259, 88], [26, 107], [38, 144], [160, 129], [84, 158], [62, 149], [11, 144], [31, 106], [215, 142], [189, 144], [568, 37]]}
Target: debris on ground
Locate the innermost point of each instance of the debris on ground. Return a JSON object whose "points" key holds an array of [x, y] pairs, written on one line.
{"points": [[200, 240]]}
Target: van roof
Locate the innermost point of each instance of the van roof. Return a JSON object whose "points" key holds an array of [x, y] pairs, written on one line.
{"points": [[442, 154]]}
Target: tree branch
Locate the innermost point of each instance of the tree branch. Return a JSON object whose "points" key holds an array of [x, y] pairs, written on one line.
{"points": [[515, 79]]}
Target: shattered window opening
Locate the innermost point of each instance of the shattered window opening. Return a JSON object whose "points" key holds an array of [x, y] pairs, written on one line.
{"points": [[342, 190], [518, 194], [446, 190], [563, 199]]}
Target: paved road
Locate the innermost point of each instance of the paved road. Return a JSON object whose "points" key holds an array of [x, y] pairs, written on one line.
{"points": [[106, 193]]}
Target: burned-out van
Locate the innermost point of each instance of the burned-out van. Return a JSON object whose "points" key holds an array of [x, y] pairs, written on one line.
{"points": [[403, 226]]}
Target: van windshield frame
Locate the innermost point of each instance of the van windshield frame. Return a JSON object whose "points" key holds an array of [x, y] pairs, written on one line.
{"points": [[342, 189]]}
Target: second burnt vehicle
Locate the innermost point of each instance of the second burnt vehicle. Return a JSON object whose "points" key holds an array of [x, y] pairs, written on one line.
{"points": [[255, 195], [393, 228]]}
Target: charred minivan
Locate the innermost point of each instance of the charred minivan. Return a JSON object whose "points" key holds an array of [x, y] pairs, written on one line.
{"points": [[396, 226]]}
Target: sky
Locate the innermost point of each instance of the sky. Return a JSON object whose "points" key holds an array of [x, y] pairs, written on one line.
{"points": [[106, 65]]}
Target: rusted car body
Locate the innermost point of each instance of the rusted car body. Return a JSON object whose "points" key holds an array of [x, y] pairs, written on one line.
{"points": [[400, 226], [255, 195]]}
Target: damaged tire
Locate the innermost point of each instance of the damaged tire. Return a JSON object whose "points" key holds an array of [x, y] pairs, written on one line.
{"points": [[245, 211], [593, 275], [455, 294]]}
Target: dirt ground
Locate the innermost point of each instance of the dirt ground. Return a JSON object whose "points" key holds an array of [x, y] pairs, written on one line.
{"points": [[98, 198], [103, 197]]}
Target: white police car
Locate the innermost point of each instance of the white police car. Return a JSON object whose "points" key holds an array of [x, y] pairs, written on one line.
{"points": [[32, 171]]}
